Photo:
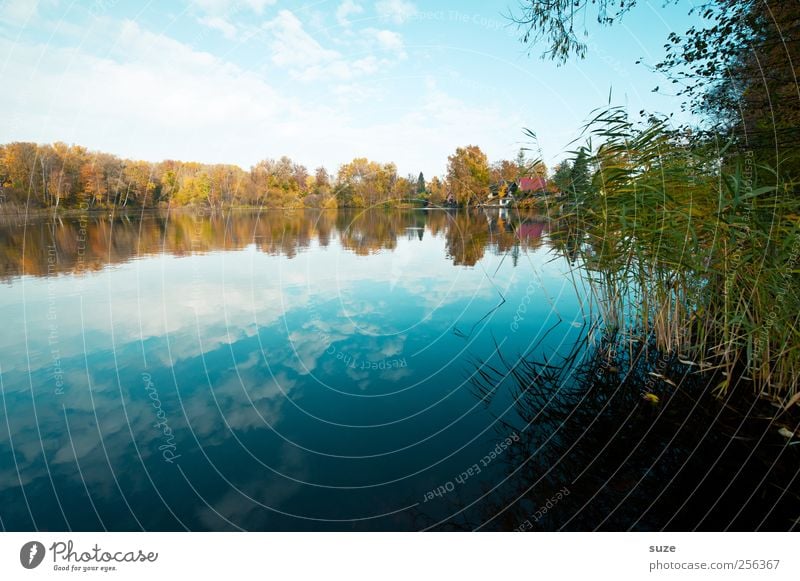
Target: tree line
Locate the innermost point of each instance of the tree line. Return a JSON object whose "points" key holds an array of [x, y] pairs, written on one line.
{"points": [[69, 176]]}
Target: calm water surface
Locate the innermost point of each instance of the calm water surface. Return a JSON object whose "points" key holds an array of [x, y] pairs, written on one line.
{"points": [[262, 371], [345, 370]]}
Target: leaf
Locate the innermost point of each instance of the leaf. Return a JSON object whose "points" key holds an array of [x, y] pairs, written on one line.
{"points": [[793, 400]]}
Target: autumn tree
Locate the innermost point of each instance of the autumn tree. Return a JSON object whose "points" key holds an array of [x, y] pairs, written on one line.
{"points": [[468, 174], [139, 183], [21, 175], [437, 192], [403, 188], [504, 171], [101, 176], [194, 190], [365, 183], [225, 182], [64, 181], [279, 183], [300, 176], [322, 182]]}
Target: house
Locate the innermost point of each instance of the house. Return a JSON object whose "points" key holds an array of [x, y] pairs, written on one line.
{"points": [[494, 201], [532, 185], [506, 201]]}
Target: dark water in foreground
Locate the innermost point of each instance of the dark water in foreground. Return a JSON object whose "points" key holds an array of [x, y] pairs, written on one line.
{"points": [[340, 371]]}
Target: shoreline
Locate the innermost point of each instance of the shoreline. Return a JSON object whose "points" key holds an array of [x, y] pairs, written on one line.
{"points": [[74, 212]]}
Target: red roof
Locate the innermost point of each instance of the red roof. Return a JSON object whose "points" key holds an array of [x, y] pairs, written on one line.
{"points": [[536, 184]]}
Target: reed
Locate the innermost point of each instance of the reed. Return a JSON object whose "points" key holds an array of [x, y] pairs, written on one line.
{"points": [[694, 246]]}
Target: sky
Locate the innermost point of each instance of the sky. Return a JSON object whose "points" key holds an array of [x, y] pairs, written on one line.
{"points": [[322, 81]]}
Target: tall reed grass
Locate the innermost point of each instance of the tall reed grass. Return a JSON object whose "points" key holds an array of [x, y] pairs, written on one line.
{"points": [[692, 245]]}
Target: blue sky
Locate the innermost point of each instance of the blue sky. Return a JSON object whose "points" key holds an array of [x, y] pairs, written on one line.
{"points": [[323, 81]]}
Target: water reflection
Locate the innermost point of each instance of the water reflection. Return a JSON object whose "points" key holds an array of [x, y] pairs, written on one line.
{"points": [[89, 242], [346, 370], [251, 370]]}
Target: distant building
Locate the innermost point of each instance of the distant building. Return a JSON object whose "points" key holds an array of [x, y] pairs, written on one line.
{"points": [[505, 201], [532, 185], [505, 193], [495, 201]]}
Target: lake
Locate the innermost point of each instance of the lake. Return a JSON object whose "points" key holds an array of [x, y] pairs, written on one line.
{"points": [[332, 370]]}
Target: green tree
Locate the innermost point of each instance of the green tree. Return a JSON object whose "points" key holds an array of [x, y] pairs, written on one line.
{"points": [[561, 24], [735, 67], [522, 163], [580, 176], [562, 176], [573, 177], [739, 73]]}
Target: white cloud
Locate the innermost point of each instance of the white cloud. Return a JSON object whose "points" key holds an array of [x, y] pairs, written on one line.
{"points": [[341, 70], [388, 40], [151, 97], [398, 11], [346, 9], [352, 93], [307, 60], [231, 6], [18, 11], [177, 70], [292, 46], [219, 24], [229, 16]]}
